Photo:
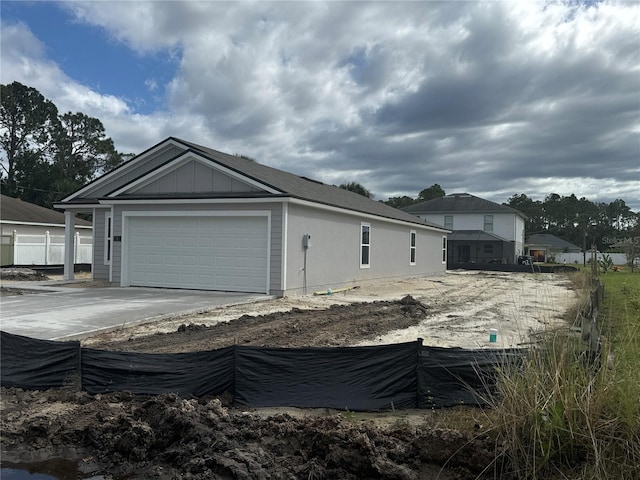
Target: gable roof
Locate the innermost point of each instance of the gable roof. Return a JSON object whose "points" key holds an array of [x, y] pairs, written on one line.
{"points": [[14, 210], [551, 241], [475, 236], [460, 203], [278, 182]]}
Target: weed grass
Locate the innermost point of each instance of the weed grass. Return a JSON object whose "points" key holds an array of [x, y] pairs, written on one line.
{"points": [[565, 413]]}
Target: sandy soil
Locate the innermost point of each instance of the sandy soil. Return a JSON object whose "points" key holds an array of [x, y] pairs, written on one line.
{"points": [[456, 309], [167, 437]]}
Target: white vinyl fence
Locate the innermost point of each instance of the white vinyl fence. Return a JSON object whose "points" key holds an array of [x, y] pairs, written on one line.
{"points": [[577, 258], [49, 249]]}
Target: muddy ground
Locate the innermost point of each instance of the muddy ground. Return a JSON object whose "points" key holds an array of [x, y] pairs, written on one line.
{"points": [[168, 437]]}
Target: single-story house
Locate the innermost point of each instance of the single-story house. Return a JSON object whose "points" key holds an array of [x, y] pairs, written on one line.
{"points": [[542, 245], [482, 231], [34, 235], [181, 215]]}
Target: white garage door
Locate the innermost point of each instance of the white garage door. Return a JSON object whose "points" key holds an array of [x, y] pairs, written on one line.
{"points": [[209, 253]]}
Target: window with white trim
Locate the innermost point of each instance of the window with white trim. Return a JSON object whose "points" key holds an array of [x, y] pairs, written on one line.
{"points": [[412, 247], [365, 245], [444, 249], [108, 226], [448, 222], [488, 223]]}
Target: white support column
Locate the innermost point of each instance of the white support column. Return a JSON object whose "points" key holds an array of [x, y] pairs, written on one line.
{"points": [[14, 240], [69, 234], [47, 246], [76, 247]]}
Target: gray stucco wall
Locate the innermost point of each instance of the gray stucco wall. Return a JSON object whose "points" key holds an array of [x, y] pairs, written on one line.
{"points": [[333, 260], [275, 258]]}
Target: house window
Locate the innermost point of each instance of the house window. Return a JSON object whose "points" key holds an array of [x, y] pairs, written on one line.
{"points": [[448, 222], [412, 247], [488, 223], [365, 245], [107, 239], [488, 248], [444, 249]]}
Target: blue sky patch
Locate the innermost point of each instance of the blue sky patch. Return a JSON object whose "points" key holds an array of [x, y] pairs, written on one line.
{"points": [[90, 57]]}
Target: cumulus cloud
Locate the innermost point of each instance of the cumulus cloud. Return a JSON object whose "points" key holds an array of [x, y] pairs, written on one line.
{"points": [[493, 98]]}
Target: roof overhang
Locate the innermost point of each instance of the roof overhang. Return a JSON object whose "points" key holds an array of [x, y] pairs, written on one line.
{"points": [[105, 202]]}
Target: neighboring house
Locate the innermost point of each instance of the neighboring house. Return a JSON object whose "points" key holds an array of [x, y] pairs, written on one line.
{"points": [[34, 235], [181, 215], [545, 246], [482, 231]]}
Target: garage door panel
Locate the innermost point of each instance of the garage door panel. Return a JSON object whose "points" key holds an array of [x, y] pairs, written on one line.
{"points": [[213, 253]]}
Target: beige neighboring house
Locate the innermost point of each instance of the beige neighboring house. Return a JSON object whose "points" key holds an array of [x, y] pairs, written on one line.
{"points": [[182, 215], [35, 235]]}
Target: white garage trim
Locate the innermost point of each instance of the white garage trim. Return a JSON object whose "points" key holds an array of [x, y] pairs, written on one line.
{"points": [[127, 231], [285, 236]]}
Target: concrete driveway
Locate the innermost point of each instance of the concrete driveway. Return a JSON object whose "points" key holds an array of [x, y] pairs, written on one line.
{"points": [[58, 312]]}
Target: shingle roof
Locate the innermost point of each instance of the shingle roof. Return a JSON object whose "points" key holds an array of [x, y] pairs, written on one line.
{"points": [[291, 185], [16, 210], [459, 203], [551, 241], [475, 235], [304, 188]]}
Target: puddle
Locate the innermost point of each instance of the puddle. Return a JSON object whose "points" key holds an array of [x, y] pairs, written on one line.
{"points": [[54, 469]]}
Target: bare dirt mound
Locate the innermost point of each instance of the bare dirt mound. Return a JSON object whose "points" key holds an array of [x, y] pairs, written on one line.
{"points": [[166, 437], [339, 325], [21, 274]]}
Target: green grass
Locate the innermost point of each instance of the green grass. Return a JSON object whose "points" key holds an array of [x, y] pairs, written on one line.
{"points": [[562, 415], [620, 313], [620, 323]]}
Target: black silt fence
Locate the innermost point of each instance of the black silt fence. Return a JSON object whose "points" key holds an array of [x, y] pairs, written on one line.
{"points": [[456, 376], [193, 373], [37, 364], [405, 375], [354, 378]]}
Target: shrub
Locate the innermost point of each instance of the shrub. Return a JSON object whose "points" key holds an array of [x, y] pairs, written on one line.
{"points": [[605, 263]]}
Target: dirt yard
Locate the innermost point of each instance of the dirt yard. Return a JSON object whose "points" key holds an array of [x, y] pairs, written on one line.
{"points": [[168, 437], [456, 309]]}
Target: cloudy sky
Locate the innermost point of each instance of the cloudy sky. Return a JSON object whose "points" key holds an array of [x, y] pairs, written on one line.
{"points": [[493, 98]]}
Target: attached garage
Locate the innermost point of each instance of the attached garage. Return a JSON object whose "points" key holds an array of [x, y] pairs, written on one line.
{"points": [[228, 253], [181, 215]]}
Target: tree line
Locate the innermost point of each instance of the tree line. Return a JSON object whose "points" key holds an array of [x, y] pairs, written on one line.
{"points": [[47, 154], [576, 220], [579, 220]]}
